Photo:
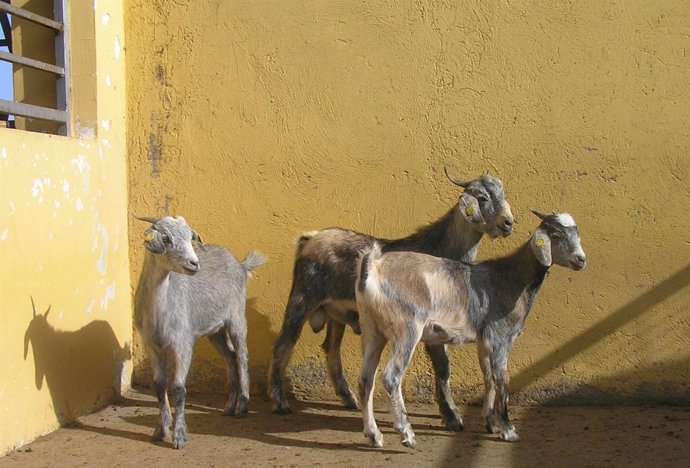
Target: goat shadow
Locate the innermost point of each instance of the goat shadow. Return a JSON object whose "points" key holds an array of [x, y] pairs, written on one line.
{"points": [[82, 369], [204, 417]]}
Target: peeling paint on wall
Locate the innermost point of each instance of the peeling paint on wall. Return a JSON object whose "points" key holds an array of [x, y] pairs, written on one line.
{"points": [[64, 194], [117, 48], [109, 296], [82, 165], [102, 265]]}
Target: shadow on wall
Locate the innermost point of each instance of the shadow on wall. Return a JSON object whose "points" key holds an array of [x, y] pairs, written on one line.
{"points": [[82, 368], [208, 373], [583, 435], [597, 332]]}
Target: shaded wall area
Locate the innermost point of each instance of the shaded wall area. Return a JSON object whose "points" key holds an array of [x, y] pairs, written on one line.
{"points": [[260, 120], [65, 299], [82, 369]]}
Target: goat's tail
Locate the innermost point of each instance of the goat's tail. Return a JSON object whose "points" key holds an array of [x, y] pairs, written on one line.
{"points": [[252, 260], [303, 239], [368, 256]]}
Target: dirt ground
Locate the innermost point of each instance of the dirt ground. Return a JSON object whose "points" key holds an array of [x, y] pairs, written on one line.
{"points": [[324, 434]]}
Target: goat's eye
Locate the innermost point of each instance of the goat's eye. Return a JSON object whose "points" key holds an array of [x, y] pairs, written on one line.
{"points": [[166, 239], [556, 235], [481, 199]]}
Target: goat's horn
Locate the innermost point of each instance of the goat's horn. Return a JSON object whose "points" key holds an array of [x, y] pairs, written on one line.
{"points": [[148, 219], [539, 215], [458, 182]]}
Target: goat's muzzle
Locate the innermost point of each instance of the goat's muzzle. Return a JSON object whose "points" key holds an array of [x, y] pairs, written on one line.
{"points": [[578, 262], [191, 267]]}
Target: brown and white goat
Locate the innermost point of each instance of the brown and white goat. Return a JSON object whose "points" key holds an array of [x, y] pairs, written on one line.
{"points": [[406, 297], [323, 284]]}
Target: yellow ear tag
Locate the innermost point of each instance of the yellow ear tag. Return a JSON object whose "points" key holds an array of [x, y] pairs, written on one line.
{"points": [[539, 242], [469, 211], [149, 236]]}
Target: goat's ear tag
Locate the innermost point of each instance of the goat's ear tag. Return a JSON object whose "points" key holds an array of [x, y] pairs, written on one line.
{"points": [[149, 236], [541, 246], [469, 207]]}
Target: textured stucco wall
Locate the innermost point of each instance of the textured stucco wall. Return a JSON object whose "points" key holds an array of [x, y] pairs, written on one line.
{"points": [[65, 298], [260, 120]]}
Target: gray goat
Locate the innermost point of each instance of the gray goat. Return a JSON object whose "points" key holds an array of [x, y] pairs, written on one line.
{"points": [[183, 295], [323, 284], [406, 297]]}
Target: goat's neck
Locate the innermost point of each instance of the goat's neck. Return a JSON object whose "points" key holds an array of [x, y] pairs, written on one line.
{"points": [[153, 271], [451, 236], [153, 284], [521, 274]]}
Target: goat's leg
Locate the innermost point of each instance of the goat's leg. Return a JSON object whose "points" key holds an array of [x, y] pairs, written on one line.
{"points": [[238, 336], [444, 397], [372, 346], [331, 345], [295, 316], [489, 387], [161, 386], [499, 365], [183, 360], [400, 357], [224, 346]]}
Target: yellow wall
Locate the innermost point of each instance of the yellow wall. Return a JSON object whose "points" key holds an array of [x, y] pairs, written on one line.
{"points": [[65, 297], [260, 120]]}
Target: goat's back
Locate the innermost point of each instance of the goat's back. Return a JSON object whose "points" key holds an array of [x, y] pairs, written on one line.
{"points": [[218, 287], [326, 261]]}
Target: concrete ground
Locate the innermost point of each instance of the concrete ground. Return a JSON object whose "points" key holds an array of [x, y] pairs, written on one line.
{"points": [[324, 434]]}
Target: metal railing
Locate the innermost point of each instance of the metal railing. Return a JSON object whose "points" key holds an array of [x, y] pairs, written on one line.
{"points": [[60, 69]]}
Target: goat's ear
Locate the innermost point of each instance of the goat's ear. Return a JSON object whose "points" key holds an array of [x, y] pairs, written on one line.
{"points": [[469, 208], [153, 241], [541, 246], [196, 237]]}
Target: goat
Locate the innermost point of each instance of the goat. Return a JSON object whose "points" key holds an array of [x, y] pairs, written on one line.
{"points": [[323, 285], [183, 295], [406, 297]]}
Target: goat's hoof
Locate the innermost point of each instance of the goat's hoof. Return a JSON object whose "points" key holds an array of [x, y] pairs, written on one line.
{"points": [[510, 435], [179, 439], [491, 428], [241, 411], [281, 409], [375, 440], [454, 425], [229, 410], [159, 434], [409, 440]]}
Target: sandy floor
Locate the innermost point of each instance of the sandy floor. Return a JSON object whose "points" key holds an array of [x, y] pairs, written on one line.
{"points": [[324, 434]]}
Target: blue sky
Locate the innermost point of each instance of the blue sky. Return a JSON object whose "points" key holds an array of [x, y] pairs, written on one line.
{"points": [[5, 80], [5, 76]]}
